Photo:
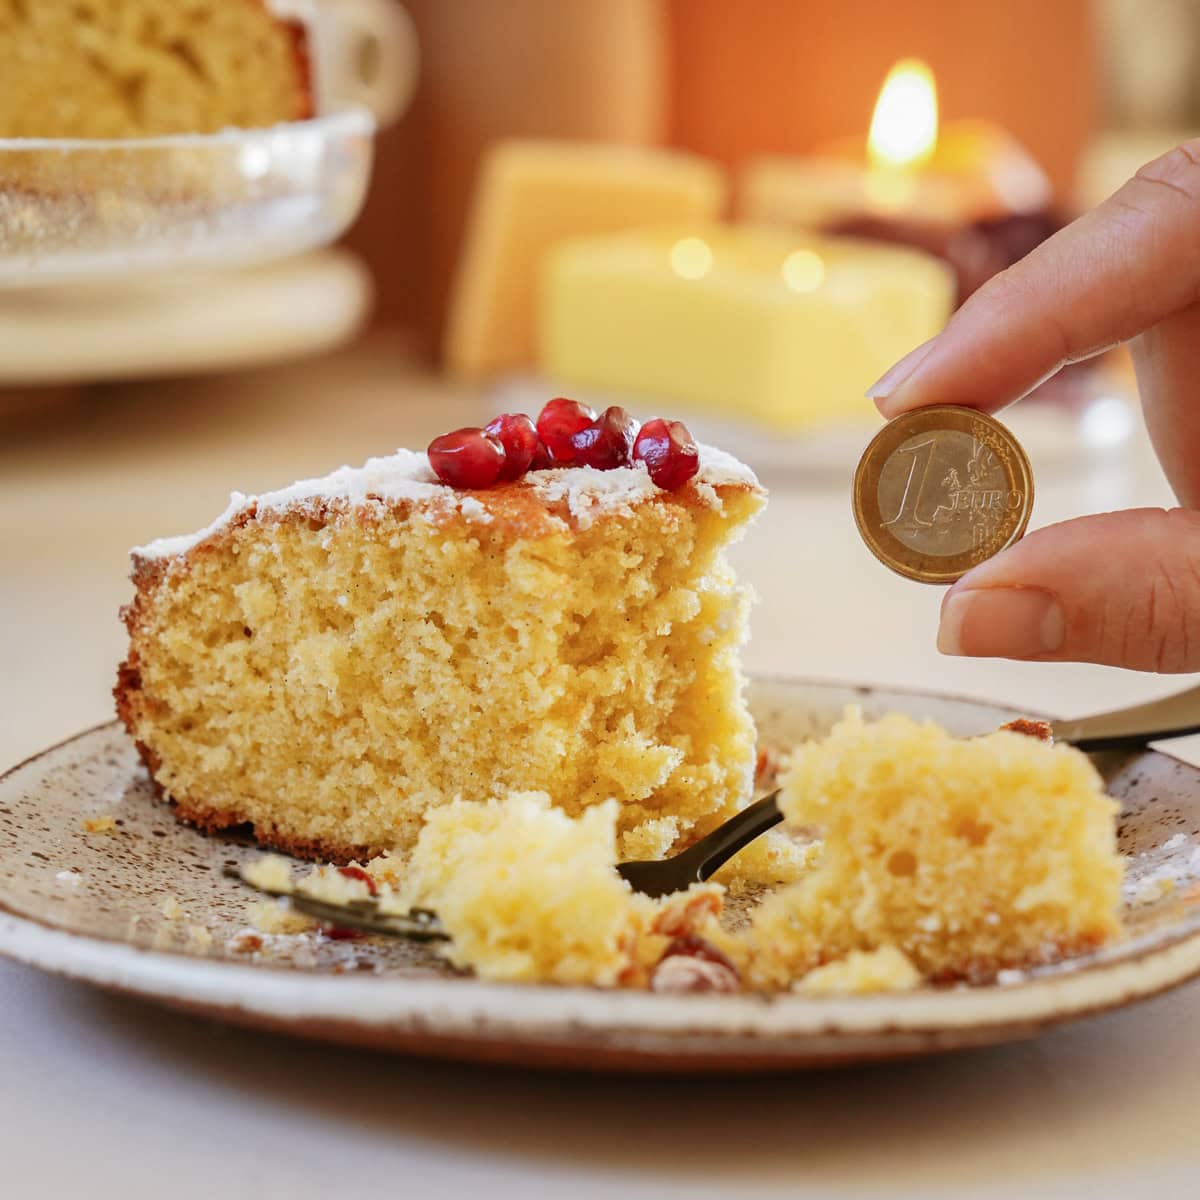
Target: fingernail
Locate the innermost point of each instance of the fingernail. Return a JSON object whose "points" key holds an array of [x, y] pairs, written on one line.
{"points": [[1001, 622], [887, 383]]}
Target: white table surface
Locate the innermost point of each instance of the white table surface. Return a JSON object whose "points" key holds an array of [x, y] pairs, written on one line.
{"points": [[106, 1097]]}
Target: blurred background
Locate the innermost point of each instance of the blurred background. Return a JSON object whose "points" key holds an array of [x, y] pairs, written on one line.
{"points": [[1091, 88], [735, 214]]}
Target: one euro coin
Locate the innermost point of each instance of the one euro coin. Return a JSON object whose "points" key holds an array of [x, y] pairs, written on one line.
{"points": [[940, 490]]}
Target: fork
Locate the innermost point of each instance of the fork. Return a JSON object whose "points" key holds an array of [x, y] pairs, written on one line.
{"points": [[1171, 716]]}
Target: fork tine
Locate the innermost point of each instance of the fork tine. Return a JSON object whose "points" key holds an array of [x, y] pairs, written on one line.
{"points": [[426, 929], [419, 924]]}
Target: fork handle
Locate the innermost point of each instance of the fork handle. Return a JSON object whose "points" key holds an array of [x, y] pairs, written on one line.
{"points": [[1170, 716]]}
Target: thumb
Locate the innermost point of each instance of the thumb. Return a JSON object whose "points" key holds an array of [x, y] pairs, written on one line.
{"points": [[1120, 588]]}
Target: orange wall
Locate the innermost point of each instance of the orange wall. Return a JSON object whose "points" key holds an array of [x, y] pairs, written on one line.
{"points": [[781, 75]]}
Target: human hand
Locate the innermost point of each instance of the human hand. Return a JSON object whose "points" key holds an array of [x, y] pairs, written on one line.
{"points": [[1120, 588]]}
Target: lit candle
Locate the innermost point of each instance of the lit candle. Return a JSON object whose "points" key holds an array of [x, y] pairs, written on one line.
{"points": [[967, 191]]}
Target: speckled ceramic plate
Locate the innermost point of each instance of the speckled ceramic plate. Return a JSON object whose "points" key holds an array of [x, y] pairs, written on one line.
{"points": [[144, 909]]}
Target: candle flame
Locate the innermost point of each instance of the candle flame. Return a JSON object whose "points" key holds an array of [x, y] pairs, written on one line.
{"points": [[904, 127]]}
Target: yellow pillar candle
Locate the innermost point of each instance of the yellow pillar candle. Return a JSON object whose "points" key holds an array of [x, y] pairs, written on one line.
{"points": [[531, 195], [782, 329]]}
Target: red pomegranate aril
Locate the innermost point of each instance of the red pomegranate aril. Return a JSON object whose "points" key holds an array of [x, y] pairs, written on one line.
{"points": [[669, 452], [682, 973], [342, 933], [557, 422], [607, 442], [692, 964], [1042, 730], [361, 875], [515, 432], [691, 945], [467, 458], [541, 458]]}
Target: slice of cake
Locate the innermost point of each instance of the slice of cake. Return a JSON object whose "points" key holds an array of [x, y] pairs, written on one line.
{"points": [[965, 855], [330, 662], [135, 68]]}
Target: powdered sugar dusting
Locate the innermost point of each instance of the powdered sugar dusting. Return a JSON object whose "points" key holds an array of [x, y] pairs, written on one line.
{"points": [[407, 476], [588, 492], [1159, 873]]}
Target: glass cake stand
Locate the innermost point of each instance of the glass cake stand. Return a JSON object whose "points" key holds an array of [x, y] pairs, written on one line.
{"points": [[97, 211]]}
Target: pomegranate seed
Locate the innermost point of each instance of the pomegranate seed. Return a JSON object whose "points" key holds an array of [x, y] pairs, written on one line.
{"points": [[692, 964], [361, 875], [541, 458], [342, 933], [607, 442], [1042, 730], [669, 452], [684, 973], [467, 458], [767, 765], [691, 945], [557, 422], [515, 432]]}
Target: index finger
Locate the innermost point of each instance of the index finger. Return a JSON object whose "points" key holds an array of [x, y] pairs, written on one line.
{"points": [[1115, 272]]}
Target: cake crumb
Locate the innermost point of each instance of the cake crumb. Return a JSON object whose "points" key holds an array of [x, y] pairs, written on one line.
{"points": [[1152, 887], [1178, 873], [277, 917], [653, 838], [945, 848], [171, 909], [1010, 976], [528, 893], [337, 885], [99, 825], [887, 969], [294, 949], [200, 937], [772, 860], [271, 872]]}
